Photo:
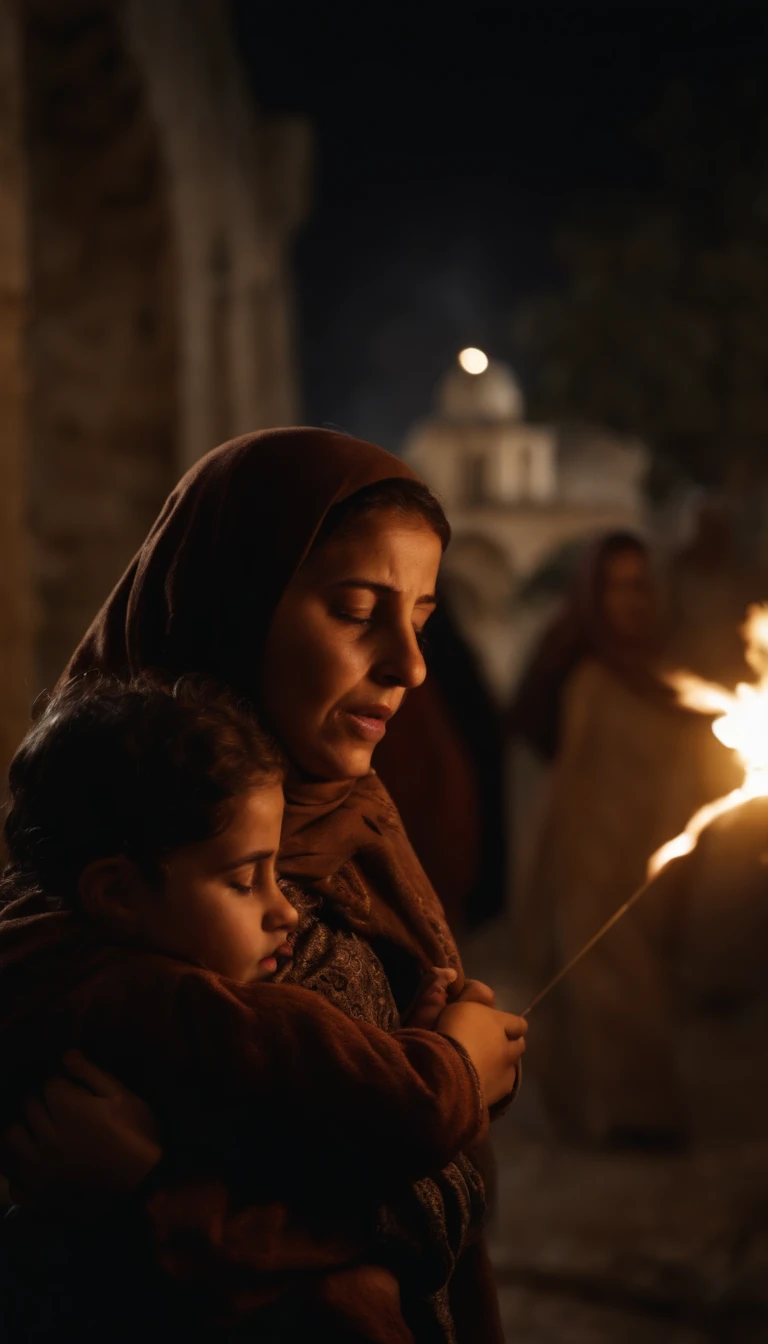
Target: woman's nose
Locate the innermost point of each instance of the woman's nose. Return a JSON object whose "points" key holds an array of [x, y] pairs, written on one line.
{"points": [[401, 661], [280, 914]]}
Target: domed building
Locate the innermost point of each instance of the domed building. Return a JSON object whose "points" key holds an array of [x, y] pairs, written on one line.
{"points": [[521, 499], [477, 450]]}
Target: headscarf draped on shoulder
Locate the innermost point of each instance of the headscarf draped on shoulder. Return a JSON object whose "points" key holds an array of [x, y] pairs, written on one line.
{"points": [[199, 598]]}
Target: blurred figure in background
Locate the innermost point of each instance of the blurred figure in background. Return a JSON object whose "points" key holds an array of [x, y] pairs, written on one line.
{"points": [[628, 770], [443, 764], [708, 590]]}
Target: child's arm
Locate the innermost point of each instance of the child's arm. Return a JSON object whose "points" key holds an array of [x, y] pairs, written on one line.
{"points": [[278, 1062], [313, 1094]]}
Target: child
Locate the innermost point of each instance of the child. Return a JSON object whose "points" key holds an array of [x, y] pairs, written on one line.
{"points": [[145, 925]]}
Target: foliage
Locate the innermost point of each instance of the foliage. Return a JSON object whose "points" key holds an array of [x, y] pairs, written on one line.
{"points": [[660, 327]]}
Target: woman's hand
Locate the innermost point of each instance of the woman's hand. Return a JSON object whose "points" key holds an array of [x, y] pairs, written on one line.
{"points": [[83, 1138], [431, 998], [493, 1040], [475, 991]]}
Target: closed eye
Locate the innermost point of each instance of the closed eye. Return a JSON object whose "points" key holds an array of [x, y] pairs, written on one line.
{"points": [[421, 636]]}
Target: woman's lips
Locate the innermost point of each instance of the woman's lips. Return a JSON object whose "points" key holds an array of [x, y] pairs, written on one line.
{"points": [[371, 730], [369, 723]]}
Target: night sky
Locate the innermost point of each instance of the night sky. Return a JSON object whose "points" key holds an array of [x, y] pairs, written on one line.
{"points": [[450, 143]]}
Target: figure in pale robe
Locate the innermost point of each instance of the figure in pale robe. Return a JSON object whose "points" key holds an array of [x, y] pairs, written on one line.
{"points": [[628, 769]]}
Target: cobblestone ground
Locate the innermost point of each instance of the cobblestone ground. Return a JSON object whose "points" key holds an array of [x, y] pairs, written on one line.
{"points": [[621, 1248]]}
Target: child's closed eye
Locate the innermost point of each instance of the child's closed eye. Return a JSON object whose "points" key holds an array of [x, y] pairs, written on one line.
{"points": [[243, 888]]}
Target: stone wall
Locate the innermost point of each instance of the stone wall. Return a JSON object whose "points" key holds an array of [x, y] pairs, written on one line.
{"points": [[102, 419], [238, 186], [154, 242], [15, 613]]}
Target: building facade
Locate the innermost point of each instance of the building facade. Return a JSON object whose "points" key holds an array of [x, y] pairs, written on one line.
{"points": [[520, 497], [147, 213]]}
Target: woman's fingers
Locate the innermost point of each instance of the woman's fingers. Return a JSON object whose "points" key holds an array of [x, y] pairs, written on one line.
{"points": [[514, 1026], [36, 1118], [443, 975], [430, 997], [437, 977], [475, 991], [516, 1048], [428, 1006], [514, 1040], [82, 1071], [66, 1099]]}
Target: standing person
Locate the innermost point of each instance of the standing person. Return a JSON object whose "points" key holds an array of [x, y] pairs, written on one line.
{"points": [[298, 568], [609, 617], [628, 769]]}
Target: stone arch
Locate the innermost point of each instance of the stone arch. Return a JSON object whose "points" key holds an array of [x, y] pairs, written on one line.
{"points": [[478, 577], [102, 336]]}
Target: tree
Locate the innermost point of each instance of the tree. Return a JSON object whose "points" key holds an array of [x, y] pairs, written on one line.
{"points": [[660, 327]]}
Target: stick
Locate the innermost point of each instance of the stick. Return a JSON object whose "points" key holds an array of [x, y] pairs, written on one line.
{"points": [[615, 917]]}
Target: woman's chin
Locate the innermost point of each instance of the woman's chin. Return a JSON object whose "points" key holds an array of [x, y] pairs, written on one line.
{"points": [[338, 762], [352, 764]]}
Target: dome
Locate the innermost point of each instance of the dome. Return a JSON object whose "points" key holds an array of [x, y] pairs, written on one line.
{"points": [[492, 395]]}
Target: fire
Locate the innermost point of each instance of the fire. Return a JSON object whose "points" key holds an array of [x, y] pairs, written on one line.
{"points": [[741, 724]]}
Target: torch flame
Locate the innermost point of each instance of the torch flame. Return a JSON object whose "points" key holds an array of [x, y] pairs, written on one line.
{"points": [[742, 725]]}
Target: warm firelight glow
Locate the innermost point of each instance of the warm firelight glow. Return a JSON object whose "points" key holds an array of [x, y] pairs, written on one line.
{"points": [[473, 360], [742, 725]]}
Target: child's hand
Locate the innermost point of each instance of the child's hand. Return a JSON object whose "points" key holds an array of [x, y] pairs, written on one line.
{"points": [[84, 1139], [431, 998], [494, 1042]]}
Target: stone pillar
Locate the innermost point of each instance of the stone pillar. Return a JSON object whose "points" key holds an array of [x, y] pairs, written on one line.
{"points": [[102, 352], [15, 602], [238, 189]]}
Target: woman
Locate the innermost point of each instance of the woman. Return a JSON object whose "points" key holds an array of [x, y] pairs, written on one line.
{"points": [[298, 568], [629, 770], [608, 618]]}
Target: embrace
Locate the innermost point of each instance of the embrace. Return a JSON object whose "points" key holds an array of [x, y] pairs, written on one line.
{"points": [[245, 1083]]}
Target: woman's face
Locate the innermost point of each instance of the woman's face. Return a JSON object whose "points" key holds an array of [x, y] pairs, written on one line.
{"points": [[343, 647], [627, 595]]}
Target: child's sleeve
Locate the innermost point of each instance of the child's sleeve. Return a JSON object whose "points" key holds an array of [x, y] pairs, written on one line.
{"points": [[278, 1069]]}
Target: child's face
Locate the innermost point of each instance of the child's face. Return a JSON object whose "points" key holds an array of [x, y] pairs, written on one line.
{"points": [[221, 906]]}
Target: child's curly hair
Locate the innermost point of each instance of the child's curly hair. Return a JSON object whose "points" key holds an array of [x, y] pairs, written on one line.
{"points": [[136, 768]]}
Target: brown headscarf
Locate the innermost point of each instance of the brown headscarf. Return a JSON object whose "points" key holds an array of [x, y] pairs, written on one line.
{"points": [[199, 598]]}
